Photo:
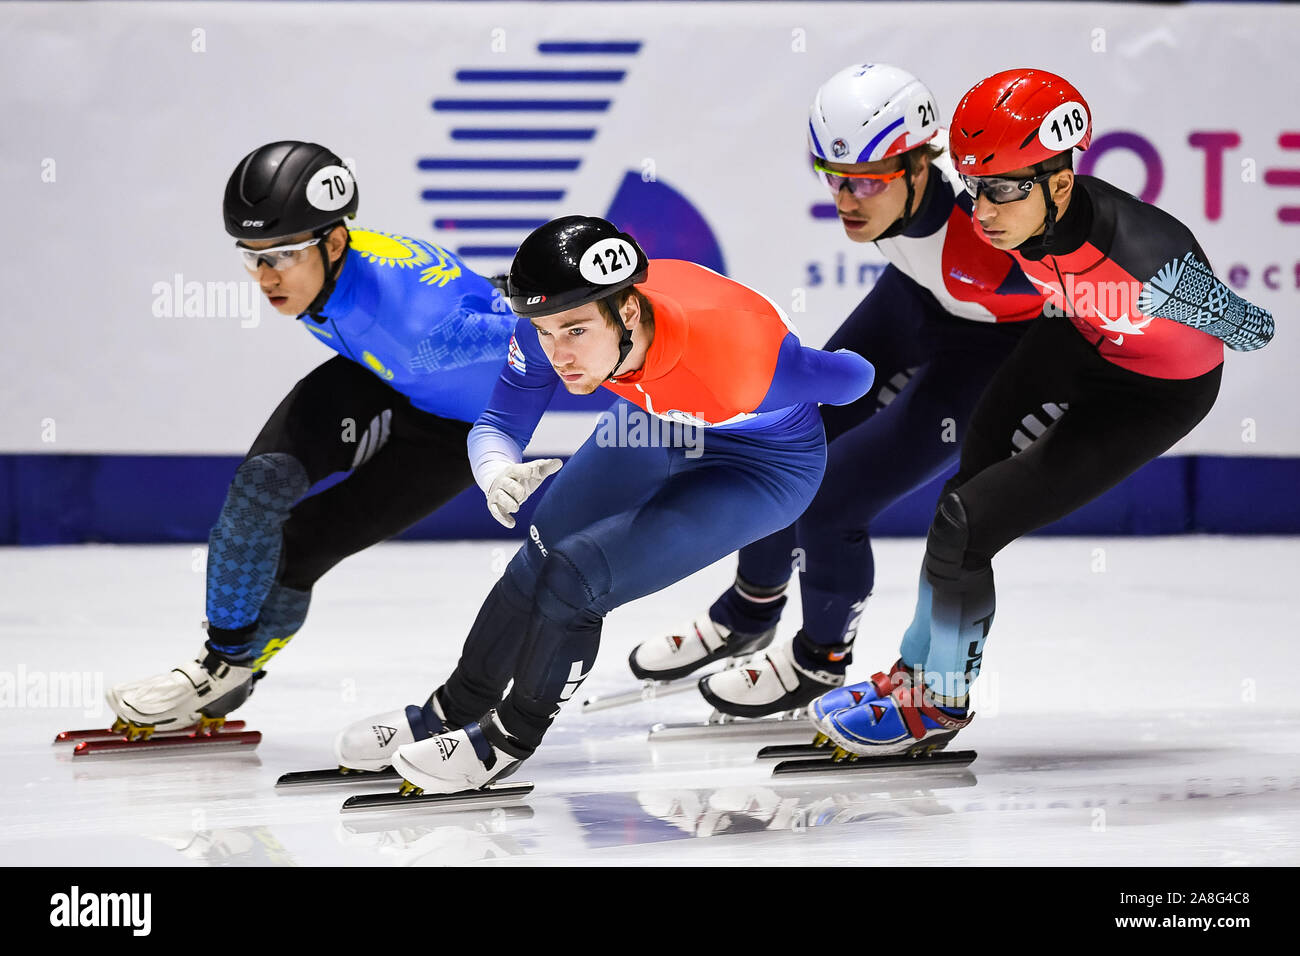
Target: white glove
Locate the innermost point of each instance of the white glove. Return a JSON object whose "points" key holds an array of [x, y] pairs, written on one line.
{"points": [[514, 484]]}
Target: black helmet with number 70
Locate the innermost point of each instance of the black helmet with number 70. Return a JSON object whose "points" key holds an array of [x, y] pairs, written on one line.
{"points": [[286, 188], [571, 261]]}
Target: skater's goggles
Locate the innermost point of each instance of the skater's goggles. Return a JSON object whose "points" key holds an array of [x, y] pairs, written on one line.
{"points": [[862, 185], [277, 257], [1003, 189]]}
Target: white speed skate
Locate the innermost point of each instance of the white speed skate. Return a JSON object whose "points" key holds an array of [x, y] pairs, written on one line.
{"points": [[370, 743], [455, 761], [769, 683], [202, 691], [702, 642], [664, 664]]}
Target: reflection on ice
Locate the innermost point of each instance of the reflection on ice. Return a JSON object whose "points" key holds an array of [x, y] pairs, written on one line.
{"points": [[243, 846], [475, 836], [707, 813]]}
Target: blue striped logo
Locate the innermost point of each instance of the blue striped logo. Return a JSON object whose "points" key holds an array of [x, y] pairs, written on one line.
{"points": [[518, 136]]}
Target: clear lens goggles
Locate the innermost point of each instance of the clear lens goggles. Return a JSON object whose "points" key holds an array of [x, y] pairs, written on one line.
{"points": [[1002, 189], [277, 257], [862, 185]]}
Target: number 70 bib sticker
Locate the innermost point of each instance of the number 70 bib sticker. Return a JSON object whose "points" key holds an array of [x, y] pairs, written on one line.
{"points": [[608, 261], [1064, 127], [331, 188]]}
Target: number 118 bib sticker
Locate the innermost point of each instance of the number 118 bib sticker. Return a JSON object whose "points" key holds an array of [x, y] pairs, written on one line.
{"points": [[1064, 127]]}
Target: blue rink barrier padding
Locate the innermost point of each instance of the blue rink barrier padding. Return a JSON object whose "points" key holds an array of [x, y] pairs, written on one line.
{"points": [[131, 499]]}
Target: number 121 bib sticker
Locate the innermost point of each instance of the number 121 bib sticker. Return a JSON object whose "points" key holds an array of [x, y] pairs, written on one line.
{"points": [[608, 261]]}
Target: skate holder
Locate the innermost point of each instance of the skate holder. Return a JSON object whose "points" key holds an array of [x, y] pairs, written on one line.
{"points": [[649, 690], [310, 779], [721, 726]]}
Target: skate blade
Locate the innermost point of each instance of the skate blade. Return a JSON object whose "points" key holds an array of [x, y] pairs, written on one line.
{"points": [[792, 751], [942, 761], [338, 776], [245, 741], [649, 690], [736, 728], [110, 733], [488, 796]]}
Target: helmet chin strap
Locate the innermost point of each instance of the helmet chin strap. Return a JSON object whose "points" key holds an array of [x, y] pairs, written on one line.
{"points": [[331, 276], [902, 222], [1049, 222], [624, 343]]}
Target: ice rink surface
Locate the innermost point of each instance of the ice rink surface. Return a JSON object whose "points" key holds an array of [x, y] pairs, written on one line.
{"points": [[1137, 706]]}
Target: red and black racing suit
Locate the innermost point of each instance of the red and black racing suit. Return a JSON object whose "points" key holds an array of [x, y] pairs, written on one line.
{"points": [[1132, 386]]}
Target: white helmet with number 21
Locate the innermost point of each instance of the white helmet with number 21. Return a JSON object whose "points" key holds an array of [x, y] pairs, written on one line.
{"points": [[868, 112]]}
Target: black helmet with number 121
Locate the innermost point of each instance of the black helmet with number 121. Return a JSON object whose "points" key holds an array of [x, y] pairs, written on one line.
{"points": [[572, 261]]}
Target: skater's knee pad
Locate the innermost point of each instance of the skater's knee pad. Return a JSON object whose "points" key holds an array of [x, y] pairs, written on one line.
{"points": [[265, 486], [945, 545], [575, 577], [948, 556]]}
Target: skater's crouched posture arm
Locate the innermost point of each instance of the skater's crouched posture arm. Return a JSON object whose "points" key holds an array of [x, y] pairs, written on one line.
{"points": [[630, 513], [1132, 344], [419, 344]]}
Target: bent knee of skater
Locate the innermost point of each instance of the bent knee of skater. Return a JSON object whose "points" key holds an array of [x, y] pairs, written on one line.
{"points": [[271, 479], [948, 550], [951, 524], [574, 576]]}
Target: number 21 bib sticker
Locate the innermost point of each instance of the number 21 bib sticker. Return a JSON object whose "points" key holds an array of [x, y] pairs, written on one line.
{"points": [[608, 261], [331, 188], [1064, 127]]}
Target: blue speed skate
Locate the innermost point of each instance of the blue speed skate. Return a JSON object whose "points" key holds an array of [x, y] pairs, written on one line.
{"points": [[907, 721], [842, 698]]}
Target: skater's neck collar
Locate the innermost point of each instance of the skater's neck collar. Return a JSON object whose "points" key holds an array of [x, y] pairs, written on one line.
{"points": [[1070, 231], [668, 342], [930, 215]]}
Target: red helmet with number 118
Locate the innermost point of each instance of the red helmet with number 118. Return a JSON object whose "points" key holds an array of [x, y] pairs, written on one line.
{"points": [[1016, 119]]}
